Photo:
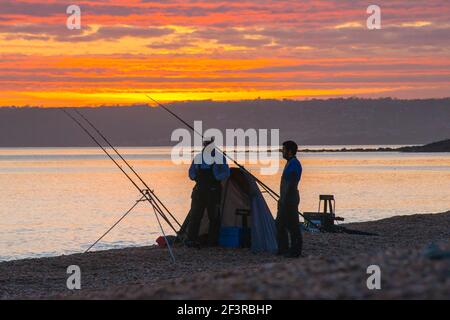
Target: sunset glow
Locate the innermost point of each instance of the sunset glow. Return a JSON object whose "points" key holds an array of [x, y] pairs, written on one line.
{"points": [[222, 50]]}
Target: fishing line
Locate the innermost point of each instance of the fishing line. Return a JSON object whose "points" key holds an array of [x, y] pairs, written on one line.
{"points": [[271, 192]]}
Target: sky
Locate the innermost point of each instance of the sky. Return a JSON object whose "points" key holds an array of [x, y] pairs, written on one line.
{"points": [[178, 50]]}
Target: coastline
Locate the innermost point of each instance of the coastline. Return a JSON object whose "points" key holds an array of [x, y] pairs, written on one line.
{"points": [[438, 147], [333, 267]]}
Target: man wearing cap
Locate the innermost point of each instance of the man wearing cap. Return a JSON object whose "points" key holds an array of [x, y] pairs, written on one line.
{"points": [[287, 221], [207, 170]]}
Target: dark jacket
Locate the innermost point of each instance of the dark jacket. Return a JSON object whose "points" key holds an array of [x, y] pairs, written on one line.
{"points": [[289, 195]]}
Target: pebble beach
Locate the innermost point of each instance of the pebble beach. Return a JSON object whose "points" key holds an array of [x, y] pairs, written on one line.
{"points": [[411, 251]]}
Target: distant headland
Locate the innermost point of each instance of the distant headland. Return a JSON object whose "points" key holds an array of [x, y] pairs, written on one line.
{"points": [[341, 122], [439, 146]]}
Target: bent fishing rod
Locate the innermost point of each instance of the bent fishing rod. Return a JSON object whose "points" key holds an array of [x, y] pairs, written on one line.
{"points": [[147, 194], [269, 190]]}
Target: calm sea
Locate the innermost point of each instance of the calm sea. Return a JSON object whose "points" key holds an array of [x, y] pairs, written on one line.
{"points": [[57, 201]]}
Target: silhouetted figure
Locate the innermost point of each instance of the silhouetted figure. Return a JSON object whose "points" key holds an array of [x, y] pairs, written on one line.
{"points": [[206, 194], [287, 221]]}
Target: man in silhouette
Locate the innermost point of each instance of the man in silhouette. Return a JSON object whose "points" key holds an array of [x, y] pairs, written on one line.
{"points": [[287, 221], [207, 170]]}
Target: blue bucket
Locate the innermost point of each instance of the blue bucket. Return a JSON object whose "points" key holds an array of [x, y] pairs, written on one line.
{"points": [[230, 237]]}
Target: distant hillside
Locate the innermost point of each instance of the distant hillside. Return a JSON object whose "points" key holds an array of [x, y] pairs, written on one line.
{"points": [[313, 122], [440, 146]]}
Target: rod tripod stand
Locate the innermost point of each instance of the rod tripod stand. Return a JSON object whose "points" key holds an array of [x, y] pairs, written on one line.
{"points": [[148, 195], [144, 198]]}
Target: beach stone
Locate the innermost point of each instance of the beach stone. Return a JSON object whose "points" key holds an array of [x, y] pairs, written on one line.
{"points": [[334, 267]]}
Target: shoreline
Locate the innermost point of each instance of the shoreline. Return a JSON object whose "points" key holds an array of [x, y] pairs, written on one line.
{"points": [[333, 267]]}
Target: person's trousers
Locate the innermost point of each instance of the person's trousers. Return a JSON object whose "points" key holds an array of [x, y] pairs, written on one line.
{"points": [[201, 201], [288, 226]]}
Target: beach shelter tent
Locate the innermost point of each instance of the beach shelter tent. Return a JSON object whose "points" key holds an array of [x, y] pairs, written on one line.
{"points": [[242, 203]]}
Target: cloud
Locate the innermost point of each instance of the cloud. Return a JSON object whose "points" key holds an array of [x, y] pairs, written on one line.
{"points": [[50, 8], [232, 36], [170, 45], [416, 24], [113, 33], [213, 46], [346, 25], [346, 38], [87, 33], [41, 30]]}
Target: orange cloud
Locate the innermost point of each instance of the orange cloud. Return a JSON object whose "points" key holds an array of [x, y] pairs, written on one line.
{"points": [[223, 50]]}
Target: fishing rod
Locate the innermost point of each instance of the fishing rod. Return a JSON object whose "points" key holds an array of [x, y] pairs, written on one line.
{"points": [[115, 162], [146, 194], [128, 165], [270, 191], [169, 247]]}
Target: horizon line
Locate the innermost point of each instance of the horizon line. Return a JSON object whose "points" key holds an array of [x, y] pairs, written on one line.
{"points": [[178, 102]]}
